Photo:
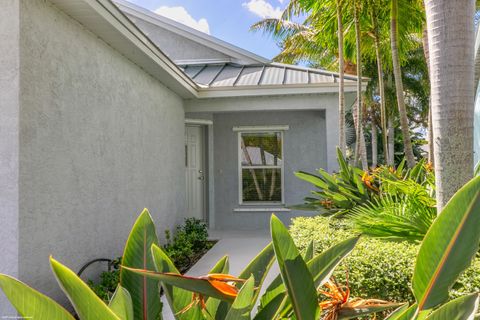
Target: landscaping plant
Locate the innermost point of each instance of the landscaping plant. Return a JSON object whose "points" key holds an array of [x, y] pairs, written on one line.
{"points": [[303, 290], [388, 203]]}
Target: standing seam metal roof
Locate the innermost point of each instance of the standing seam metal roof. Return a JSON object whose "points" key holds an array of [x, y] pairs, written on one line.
{"points": [[234, 75]]}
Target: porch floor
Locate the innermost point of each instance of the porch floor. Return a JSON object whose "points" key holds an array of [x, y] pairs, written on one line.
{"points": [[240, 246]]}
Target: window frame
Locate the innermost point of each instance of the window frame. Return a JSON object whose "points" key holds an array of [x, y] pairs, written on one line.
{"points": [[267, 130]]}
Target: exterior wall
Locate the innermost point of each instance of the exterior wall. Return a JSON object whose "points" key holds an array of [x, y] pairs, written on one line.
{"points": [[99, 141], [476, 128], [304, 149], [9, 111], [175, 46]]}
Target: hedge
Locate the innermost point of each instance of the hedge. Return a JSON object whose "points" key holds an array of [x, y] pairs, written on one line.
{"points": [[376, 268]]}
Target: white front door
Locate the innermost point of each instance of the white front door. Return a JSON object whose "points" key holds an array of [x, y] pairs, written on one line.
{"points": [[195, 171]]}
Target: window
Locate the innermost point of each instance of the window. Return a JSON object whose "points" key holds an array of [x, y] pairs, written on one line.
{"points": [[261, 166]]}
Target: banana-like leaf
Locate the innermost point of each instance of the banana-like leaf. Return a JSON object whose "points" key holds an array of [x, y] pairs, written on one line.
{"points": [[242, 306], [323, 265], [121, 304], [199, 285], [463, 308], [397, 312], [177, 298], [145, 292], [214, 305], [308, 255], [313, 179], [86, 303], [355, 312], [30, 303], [343, 166], [259, 267], [448, 247], [295, 274]]}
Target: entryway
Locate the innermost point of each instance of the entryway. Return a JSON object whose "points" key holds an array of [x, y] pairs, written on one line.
{"points": [[195, 171]]}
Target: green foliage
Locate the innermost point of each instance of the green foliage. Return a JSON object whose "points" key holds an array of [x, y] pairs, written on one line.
{"points": [[376, 269], [394, 204], [189, 243], [301, 292], [108, 283]]}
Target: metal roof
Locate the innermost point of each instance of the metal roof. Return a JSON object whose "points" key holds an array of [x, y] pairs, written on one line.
{"points": [[217, 75]]}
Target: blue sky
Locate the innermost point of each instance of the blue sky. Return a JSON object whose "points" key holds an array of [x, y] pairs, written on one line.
{"points": [[228, 20]]}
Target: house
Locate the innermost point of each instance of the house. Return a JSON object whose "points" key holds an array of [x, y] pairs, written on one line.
{"points": [[107, 109]]}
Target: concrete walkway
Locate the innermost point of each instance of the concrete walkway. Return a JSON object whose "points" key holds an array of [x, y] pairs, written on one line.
{"points": [[240, 246]]}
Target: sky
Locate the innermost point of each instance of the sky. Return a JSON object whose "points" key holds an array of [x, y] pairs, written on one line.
{"points": [[228, 20]]}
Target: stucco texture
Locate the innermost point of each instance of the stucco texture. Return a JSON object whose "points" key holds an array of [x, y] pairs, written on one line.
{"points": [[99, 141], [304, 149]]}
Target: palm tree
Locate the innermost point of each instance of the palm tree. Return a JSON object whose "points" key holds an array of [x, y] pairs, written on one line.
{"points": [[450, 26], [341, 84], [399, 86], [360, 148]]}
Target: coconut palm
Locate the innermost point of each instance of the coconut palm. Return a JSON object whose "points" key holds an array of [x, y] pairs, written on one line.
{"points": [[450, 26]]}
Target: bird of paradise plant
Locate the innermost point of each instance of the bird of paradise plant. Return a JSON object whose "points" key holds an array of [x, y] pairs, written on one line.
{"points": [[445, 252]]}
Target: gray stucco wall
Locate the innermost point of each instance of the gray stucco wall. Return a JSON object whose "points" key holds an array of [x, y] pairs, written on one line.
{"points": [[304, 149], [174, 46], [99, 141], [9, 115]]}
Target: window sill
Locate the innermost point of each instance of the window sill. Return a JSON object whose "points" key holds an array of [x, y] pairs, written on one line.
{"points": [[256, 209]]}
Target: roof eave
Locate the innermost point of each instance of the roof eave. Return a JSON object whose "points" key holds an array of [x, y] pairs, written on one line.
{"points": [[275, 90]]}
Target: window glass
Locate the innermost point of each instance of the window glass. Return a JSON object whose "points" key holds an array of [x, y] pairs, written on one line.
{"points": [[261, 166]]}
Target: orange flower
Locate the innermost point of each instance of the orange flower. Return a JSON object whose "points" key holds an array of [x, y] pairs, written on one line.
{"points": [[327, 203], [369, 180], [429, 166]]}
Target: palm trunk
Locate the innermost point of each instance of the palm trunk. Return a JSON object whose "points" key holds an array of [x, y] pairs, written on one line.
{"points": [[360, 149], [381, 89], [341, 85], [391, 143], [407, 143], [374, 144], [451, 40], [426, 53]]}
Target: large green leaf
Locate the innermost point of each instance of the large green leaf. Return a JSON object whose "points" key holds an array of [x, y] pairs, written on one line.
{"points": [[323, 265], [30, 303], [145, 292], [121, 304], [313, 179], [355, 312], [308, 254], [177, 298], [222, 266], [86, 303], [295, 274], [259, 267], [448, 247], [397, 312], [242, 306], [463, 308], [193, 284]]}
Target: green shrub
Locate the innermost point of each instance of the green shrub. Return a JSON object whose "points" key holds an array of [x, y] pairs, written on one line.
{"points": [[188, 244], [376, 268], [108, 282]]}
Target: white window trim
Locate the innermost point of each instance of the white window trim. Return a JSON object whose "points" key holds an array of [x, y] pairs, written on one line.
{"points": [[264, 129], [256, 129]]}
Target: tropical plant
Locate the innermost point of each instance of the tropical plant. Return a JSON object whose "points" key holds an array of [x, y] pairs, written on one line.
{"points": [[383, 202], [446, 251], [216, 295]]}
